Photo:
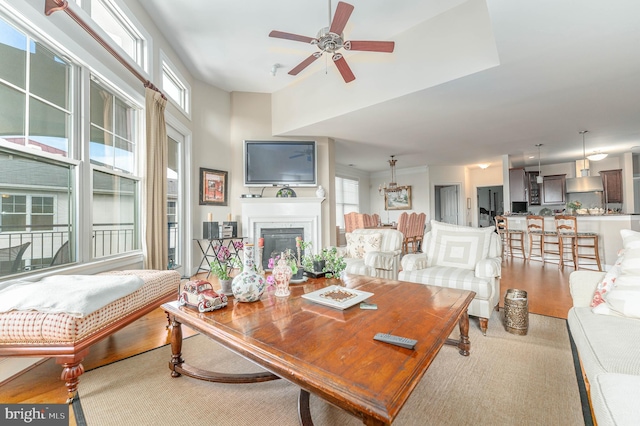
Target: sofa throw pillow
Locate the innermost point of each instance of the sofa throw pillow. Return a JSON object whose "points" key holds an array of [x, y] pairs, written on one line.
{"points": [[631, 263], [360, 244], [623, 299], [630, 239], [457, 246], [607, 283]]}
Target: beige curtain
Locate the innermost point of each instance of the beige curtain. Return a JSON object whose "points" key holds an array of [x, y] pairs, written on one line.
{"points": [[155, 178]]}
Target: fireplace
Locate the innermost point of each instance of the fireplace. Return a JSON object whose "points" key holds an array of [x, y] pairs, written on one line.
{"points": [[283, 213], [277, 240]]}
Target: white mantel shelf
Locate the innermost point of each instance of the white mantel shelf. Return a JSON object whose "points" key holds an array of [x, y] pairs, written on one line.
{"points": [[288, 212]]}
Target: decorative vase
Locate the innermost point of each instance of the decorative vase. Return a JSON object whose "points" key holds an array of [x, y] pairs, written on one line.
{"points": [[320, 192], [225, 286], [281, 275], [248, 285]]}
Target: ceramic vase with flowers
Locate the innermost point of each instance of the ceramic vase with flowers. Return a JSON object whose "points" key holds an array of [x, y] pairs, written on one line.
{"points": [[248, 286]]}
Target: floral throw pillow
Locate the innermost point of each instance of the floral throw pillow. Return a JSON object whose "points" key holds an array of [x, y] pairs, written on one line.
{"points": [[360, 244], [607, 283]]}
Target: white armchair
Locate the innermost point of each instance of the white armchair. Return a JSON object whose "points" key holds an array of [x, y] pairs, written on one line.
{"points": [[460, 257], [373, 252]]}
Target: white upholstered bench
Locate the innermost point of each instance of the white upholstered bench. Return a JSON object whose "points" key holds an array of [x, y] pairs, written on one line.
{"points": [[68, 338]]}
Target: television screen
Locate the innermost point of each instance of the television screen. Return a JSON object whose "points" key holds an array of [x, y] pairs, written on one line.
{"points": [[271, 163]]}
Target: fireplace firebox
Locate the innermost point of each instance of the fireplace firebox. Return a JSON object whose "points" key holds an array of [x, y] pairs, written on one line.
{"points": [[277, 240]]}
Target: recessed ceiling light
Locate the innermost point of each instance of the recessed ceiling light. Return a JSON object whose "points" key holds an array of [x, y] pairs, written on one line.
{"points": [[483, 166]]}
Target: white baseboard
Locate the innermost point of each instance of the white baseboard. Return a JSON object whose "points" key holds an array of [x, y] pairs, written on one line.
{"points": [[10, 366]]}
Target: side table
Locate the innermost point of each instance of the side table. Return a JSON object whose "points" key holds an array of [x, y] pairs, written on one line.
{"points": [[211, 248]]}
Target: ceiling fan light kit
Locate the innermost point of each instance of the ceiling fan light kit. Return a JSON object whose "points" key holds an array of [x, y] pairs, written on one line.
{"points": [[331, 39]]}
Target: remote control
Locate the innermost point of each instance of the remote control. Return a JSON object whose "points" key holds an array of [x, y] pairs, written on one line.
{"points": [[396, 340]]}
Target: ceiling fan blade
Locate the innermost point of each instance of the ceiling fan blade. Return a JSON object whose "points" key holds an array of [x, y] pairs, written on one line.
{"points": [[289, 36], [370, 46], [302, 65], [343, 67], [340, 18]]}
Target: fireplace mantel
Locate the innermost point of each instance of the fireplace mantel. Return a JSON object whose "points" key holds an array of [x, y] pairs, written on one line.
{"points": [[293, 212]]}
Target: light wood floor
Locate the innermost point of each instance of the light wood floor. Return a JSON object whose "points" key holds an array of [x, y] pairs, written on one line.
{"points": [[546, 285]]}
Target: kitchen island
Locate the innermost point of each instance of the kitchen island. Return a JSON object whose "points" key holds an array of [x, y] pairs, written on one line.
{"points": [[607, 227]]}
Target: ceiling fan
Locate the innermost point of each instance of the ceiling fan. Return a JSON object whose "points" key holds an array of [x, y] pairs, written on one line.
{"points": [[330, 39]]}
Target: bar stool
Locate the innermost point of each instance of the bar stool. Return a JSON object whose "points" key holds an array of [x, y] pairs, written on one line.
{"points": [[511, 238], [540, 239], [581, 245]]}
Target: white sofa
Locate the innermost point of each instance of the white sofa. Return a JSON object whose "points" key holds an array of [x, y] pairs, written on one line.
{"points": [[460, 257], [607, 336], [373, 252]]}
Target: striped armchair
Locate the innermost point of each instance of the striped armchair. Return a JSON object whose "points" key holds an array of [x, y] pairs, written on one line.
{"points": [[460, 257], [373, 252]]}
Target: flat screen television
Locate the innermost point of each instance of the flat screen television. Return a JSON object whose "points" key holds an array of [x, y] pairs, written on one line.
{"points": [[280, 163]]}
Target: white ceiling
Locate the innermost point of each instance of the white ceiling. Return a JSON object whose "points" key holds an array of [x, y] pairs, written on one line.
{"points": [[564, 66]]}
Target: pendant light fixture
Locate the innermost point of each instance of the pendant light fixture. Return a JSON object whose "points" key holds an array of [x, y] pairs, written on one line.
{"points": [[539, 178], [393, 186]]}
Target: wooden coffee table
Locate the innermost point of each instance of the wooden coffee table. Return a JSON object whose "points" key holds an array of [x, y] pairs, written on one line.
{"points": [[331, 352]]}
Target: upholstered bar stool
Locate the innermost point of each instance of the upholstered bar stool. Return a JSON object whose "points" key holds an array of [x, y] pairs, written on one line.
{"points": [[512, 239], [581, 245]]}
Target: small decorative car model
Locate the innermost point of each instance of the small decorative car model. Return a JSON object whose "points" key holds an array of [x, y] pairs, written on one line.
{"points": [[200, 294]]}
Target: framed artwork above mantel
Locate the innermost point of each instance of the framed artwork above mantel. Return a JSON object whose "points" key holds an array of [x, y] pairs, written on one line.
{"points": [[398, 199]]}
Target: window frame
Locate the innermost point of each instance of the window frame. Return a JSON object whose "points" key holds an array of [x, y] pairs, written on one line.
{"points": [[166, 66], [340, 189]]}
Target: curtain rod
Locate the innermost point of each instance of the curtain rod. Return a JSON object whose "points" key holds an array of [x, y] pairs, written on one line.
{"points": [[51, 6]]}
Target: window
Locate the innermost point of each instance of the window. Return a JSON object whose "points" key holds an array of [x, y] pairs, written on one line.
{"points": [[174, 86], [35, 93], [36, 208], [42, 159], [113, 129], [120, 28], [173, 185], [346, 198], [115, 190]]}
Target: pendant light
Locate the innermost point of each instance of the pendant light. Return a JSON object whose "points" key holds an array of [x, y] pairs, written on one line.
{"points": [[393, 186], [539, 178]]}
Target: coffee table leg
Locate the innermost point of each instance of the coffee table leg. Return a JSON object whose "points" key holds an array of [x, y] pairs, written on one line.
{"points": [[304, 412], [464, 345], [176, 347]]}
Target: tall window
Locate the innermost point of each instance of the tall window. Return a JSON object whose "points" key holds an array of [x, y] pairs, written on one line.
{"points": [[346, 198], [173, 211], [42, 154], [115, 195]]}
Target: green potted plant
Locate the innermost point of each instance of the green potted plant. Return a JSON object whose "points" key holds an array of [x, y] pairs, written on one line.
{"points": [[223, 266], [334, 263]]}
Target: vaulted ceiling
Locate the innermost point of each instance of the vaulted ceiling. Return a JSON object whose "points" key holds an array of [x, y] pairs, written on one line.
{"points": [[468, 82]]}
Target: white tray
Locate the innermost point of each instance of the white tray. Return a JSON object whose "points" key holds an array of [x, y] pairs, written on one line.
{"points": [[317, 298]]}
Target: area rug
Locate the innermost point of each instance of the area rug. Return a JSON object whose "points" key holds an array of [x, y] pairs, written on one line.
{"points": [[508, 379]]}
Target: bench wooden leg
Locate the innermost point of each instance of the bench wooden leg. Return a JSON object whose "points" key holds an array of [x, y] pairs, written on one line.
{"points": [[70, 374]]}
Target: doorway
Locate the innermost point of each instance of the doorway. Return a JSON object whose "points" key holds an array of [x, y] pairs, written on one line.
{"points": [[446, 203], [490, 203]]}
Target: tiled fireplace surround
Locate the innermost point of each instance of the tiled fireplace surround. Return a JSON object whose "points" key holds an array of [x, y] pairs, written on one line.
{"points": [[297, 212]]}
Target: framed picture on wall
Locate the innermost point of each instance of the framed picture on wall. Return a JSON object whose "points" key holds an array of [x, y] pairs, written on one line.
{"points": [[213, 187], [399, 199]]}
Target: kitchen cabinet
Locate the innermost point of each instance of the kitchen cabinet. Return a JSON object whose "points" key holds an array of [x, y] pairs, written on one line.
{"points": [[533, 188], [517, 185], [553, 189], [612, 183]]}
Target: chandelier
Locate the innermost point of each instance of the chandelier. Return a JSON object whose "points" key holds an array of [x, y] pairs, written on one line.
{"points": [[393, 186]]}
